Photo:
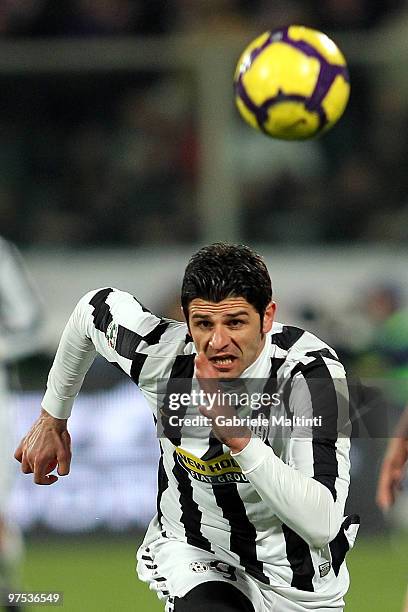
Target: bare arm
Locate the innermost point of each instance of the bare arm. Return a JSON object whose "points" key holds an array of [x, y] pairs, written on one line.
{"points": [[394, 465]]}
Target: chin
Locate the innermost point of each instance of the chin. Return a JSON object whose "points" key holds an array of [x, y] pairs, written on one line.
{"points": [[229, 375]]}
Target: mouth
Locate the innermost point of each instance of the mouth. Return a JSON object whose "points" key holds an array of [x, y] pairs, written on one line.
{"points": [[223, 362]]}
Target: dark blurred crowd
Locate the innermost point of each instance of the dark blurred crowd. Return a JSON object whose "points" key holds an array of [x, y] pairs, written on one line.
{"points": [[114, 158], [118, 17]]}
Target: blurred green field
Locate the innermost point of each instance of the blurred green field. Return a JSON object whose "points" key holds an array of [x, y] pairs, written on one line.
{"points": [[97, 575]]}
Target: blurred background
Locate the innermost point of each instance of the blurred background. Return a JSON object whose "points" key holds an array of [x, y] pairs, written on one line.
{"points": [[121, 152]]}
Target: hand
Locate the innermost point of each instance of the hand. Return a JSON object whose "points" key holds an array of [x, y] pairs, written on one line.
{"points": [[234, 436], [392, 472], [46, 446]]}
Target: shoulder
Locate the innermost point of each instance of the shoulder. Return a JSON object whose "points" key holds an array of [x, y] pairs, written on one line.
{"points": [[295, 344], [126, 321], [114, 304]]}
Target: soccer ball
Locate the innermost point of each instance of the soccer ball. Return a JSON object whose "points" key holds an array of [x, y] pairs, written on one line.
{"points": [[292, 83]]}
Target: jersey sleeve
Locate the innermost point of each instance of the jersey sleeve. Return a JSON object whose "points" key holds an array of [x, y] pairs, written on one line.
{"points": [[308, 489], [105, 321]]}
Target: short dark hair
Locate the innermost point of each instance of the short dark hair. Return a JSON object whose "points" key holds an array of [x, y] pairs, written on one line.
{"points": [[221, 271]]}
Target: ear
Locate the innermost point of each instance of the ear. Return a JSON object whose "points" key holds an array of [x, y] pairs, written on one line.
{"points": [[268, 317]]}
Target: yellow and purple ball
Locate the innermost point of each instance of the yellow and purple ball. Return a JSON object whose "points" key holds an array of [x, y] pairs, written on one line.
{"points": [[292, 83]]}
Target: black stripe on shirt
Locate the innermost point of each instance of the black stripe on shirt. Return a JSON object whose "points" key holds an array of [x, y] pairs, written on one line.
{"points": [[276, 364], [323, 352], [338, 550], [270, 388], [324, 403], [136, 367], [127, 340], [154, 336], [287, 337], [242, 531], [340, 546], [191, 515], [101, 314], [180, 381], [215, 448], [162, 485], [300, 559], [271, 385]]}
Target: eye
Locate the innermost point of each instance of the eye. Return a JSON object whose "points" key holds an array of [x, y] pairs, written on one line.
{"points": [[203, 324], [236, 323]]}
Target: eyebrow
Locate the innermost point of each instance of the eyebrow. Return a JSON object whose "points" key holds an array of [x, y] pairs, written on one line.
{"points": [[231, 315]]}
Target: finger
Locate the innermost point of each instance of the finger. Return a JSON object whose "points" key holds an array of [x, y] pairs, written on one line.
{"points": [[385, 492], [201, 358], [46, 479], [18, 454], [205, 411], [204, 368], [384, 500], [51, 466], [43, 465], [200, 363], [64, 454], [26, 466]]}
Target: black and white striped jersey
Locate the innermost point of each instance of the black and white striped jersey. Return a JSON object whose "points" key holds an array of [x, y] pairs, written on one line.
{"points": [[276, 508]]}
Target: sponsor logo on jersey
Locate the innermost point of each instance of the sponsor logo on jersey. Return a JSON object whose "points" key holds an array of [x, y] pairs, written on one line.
{"points": [[199, 567], [324, 569], [218, 470], [112, 334], [227, 571]]}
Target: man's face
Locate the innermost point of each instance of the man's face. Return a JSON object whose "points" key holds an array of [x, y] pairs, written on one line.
{"points": [[229, 333]]}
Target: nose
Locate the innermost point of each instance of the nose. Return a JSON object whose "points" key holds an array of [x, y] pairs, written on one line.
{"points": [[219, 339]]}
